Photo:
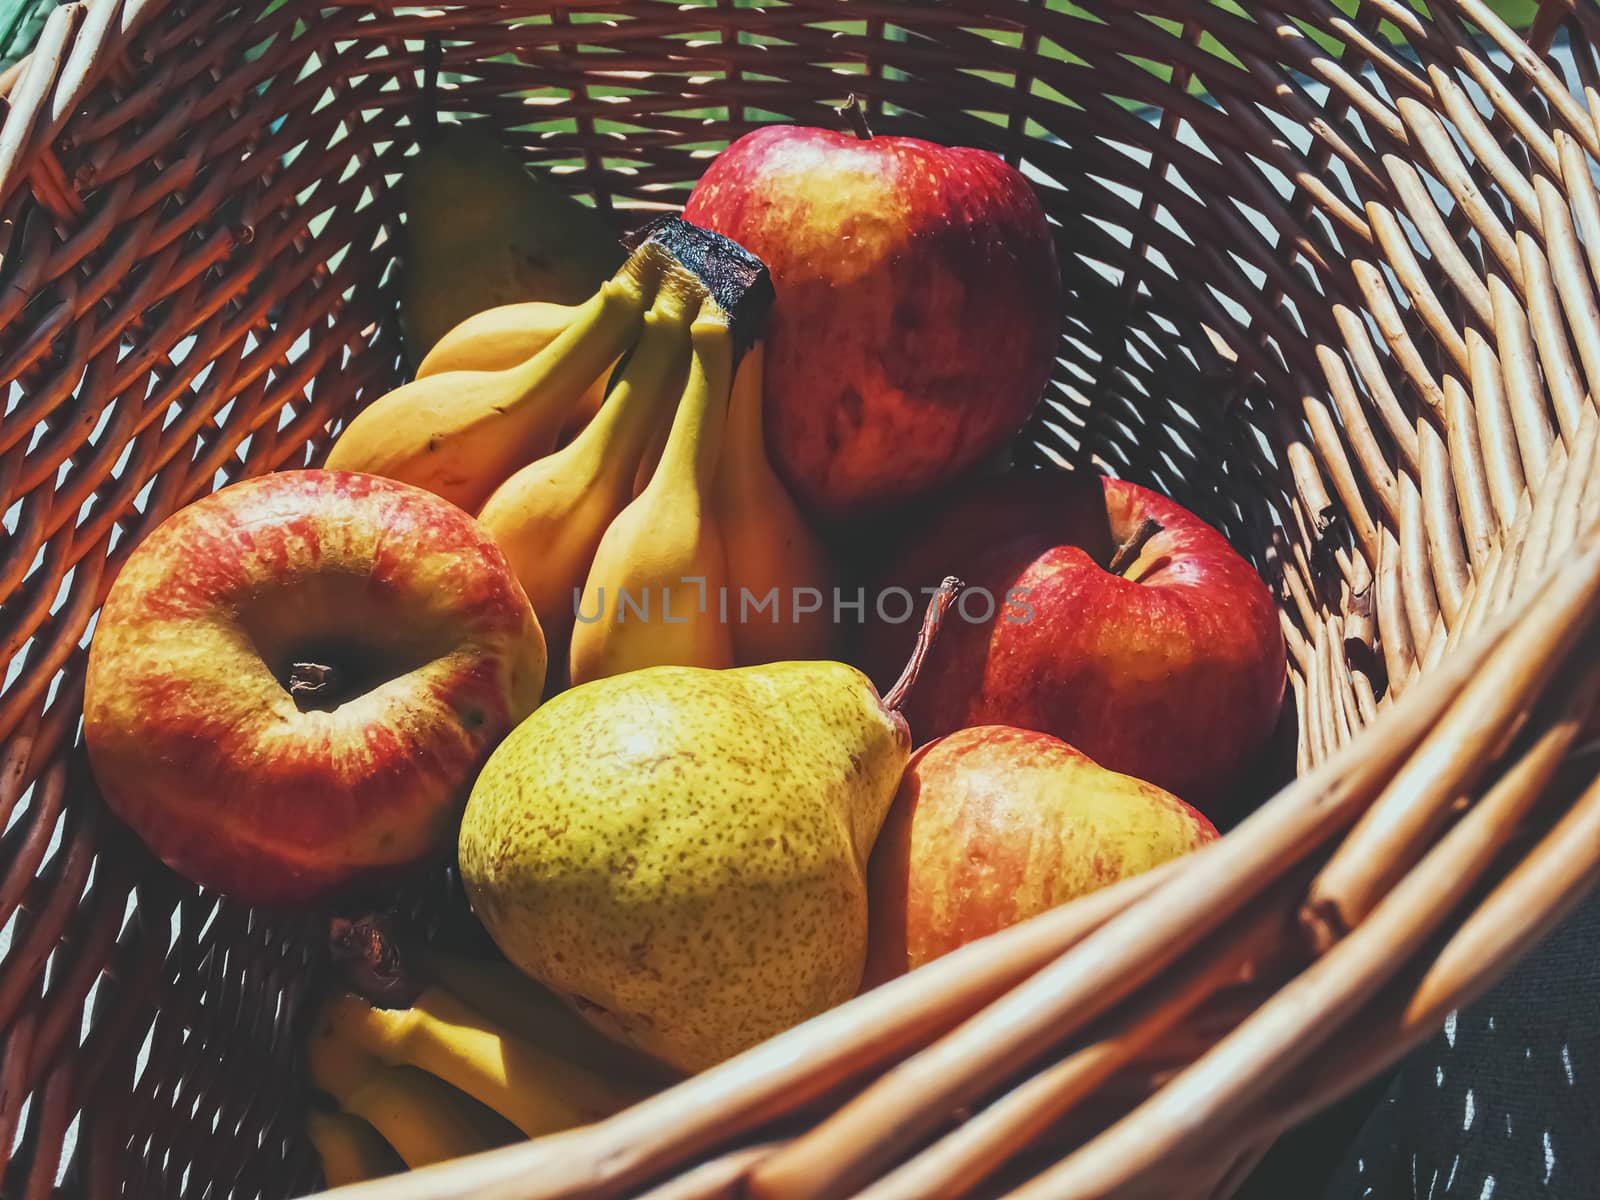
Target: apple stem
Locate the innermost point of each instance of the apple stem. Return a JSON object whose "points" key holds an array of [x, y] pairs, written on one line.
{"points": [[931, 620], [1129, 551], [309, 681], [853, 112]]}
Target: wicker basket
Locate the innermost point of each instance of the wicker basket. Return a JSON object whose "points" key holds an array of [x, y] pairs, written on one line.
{"points": [[1339, 296]]}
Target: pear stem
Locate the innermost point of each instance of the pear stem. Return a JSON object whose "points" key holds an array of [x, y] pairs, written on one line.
{"points": [[1129, 551], [852, 112], [931, 620]]}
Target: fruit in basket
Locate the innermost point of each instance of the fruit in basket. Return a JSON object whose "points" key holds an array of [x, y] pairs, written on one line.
{"points": [[651, 596], [507, 336], [461, 433], [500, 337], [482, 231], [425, 1119], [681, 853], [917, 309], [422, 1118], [993, 825], [651, 458], [462, 1055], [350, 1149], [779, 576], [550, 516], [1168, 667], [535, 1090], [655, 590], [528, 1010], [294, 681]]}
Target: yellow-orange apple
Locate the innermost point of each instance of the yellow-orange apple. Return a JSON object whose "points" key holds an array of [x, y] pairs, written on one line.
{"points": [[917, 308], [993, 825], [1168, 665], [294, 681]]}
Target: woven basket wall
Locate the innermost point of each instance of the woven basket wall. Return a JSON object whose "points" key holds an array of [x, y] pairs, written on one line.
{"points": [[1338, 295]]}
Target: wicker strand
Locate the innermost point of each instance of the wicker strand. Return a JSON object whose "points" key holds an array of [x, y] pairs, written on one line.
{"points": [[1345, 305]]}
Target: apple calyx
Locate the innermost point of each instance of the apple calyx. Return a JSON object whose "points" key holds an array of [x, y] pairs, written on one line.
{"points": [[1128, 552], [852, 111], [311, 685], [367, 952], [926, 636], [324, 683]]}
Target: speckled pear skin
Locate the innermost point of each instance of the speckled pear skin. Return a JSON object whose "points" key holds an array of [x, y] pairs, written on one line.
{"points": [[681, 852]]}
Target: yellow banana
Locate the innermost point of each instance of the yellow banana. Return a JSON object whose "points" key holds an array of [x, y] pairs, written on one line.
{"points": [[657, 582], [537, 1092], [531, 1011], [651, 458], [423, 1118], [336, 1063], [776, 566], [459, 434], [549, 517], [506, 336], [351, 1150], [498, 337]]}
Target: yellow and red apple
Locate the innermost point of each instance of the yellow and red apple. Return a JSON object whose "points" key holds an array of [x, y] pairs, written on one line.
{"points": [[917, 307], [1169, 668], [294, 681], [995, 825]]}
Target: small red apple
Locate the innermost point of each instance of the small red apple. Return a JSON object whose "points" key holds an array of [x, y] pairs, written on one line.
{"points": [[917, 309], [994, 825], [1169, 668], [294, 681]]}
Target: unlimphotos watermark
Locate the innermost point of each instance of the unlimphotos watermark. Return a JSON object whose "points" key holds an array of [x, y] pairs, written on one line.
{"points": [[893, 606]]}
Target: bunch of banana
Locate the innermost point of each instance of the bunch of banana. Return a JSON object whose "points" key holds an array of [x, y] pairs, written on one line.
{"points": [[482, 1058], [460, 432], [651, 508], [351, 1150]]}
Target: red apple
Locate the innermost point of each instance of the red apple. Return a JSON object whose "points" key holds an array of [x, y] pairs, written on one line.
{"points": [[994, 825], [917, 309], [1170, 668], [417, 653]]}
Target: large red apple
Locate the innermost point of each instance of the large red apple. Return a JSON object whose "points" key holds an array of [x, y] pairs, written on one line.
{"points": [[294, 681], [917, 309], [994, 825], [1170, 668]]}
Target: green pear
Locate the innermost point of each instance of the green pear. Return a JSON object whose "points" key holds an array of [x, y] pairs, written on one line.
{"points": [[482, 231], [681, 852]]}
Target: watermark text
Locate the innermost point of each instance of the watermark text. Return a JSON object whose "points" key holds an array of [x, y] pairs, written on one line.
{"points": [[691, 597]]}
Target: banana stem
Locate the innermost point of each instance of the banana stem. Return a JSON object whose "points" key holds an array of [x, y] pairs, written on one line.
{"points": [[623, 422], [926, 636], [602, 328], [697, 430], [744, 436]]}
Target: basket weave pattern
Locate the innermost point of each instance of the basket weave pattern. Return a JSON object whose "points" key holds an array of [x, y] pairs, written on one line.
{"points": [[1339, 297]]}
